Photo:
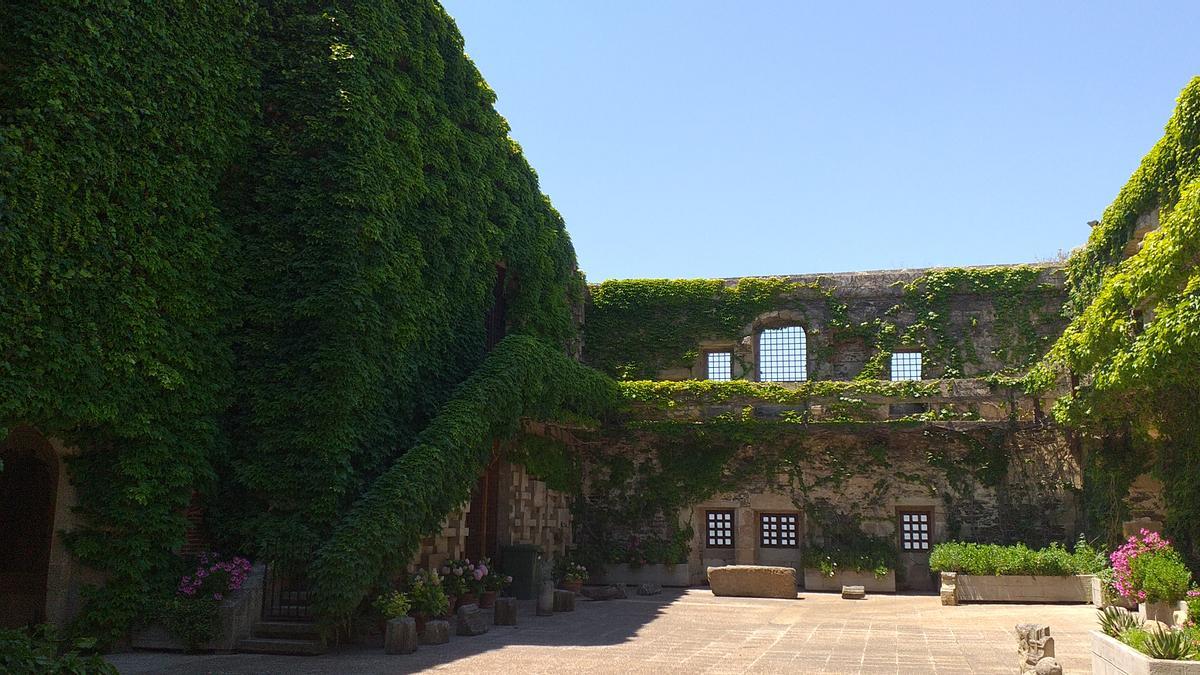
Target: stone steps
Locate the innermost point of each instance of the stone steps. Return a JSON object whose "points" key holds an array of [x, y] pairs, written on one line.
{"points": [[281, 645]]}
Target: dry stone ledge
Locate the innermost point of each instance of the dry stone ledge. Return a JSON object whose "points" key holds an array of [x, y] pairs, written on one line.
{"points": [[401, 636], [437, 632], [471, 620], [505, 613], [854, 593], [605, 593], [649, 589], [753, 581]]}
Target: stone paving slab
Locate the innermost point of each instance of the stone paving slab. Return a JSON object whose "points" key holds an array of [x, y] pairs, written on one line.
{"points": [[692, 631]]}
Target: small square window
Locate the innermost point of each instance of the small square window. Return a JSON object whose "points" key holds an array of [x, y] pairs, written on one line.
{"points": [[778, 530], [719, 366], [906, 366], [718, 530], [914, 531]]}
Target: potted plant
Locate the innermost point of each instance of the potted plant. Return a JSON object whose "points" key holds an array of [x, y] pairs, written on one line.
{"points": [[454, 582], [1148, 570], [427, 598], [493, 583], [1161, 580], [392, 605], [571, 575]]}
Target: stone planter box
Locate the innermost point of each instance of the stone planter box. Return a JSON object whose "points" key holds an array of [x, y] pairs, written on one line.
{"points": [[1170, 613], [663, 575], [815, 581], [1112, 657], [239, 612], [1021, 588]]}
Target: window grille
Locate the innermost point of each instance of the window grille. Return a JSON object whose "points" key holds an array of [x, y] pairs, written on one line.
{"points": [[914, 530], [720, 366], [782, 355], [906, 366], [778, 530], [719, 529]]}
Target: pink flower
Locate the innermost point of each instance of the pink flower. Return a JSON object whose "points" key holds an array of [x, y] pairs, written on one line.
{"points": [[478, 575], [217, 596]]}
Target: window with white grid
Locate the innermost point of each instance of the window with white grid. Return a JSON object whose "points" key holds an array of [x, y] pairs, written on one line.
{"points": [[720, 366], [906, 366], [718, 529], [782, 355], [914, 530], [778, 530]]}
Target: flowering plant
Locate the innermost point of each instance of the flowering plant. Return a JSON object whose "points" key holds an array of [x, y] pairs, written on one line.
{"points": [[455, 574], [426, 594], [570, 571], [214, 577], [1122, 562], [492, 579]]}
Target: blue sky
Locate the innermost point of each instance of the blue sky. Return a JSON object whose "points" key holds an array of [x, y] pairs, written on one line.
{"points": [[692, 138]]}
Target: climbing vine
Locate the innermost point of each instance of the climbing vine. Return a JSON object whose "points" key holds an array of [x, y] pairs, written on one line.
{"points": [[638, 328], [1133, 345], [523, 377], [255, 242]]}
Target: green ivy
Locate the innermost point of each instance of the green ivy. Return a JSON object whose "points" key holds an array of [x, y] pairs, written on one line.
{"points": [[522, 377], [120, 122], [255, 241], [1133, 346], [638, 328]]}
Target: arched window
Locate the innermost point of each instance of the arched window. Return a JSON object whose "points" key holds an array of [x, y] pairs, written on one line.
{"points": [[782, 355]]}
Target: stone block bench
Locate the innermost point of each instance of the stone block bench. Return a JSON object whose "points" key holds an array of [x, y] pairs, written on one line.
{"points": [[753, 581]]}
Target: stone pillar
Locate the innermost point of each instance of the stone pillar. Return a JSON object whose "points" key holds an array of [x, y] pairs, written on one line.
{"points": [[505, 612], [437, 632], [949, 591], [564, 601], [401, 636]]}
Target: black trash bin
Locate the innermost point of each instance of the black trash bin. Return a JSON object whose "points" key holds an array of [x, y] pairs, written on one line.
{"points": [[521, 562]]}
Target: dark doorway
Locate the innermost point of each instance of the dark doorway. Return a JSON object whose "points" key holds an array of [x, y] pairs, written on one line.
{"points": [[483, 519], [28, 482], [496, 322]]}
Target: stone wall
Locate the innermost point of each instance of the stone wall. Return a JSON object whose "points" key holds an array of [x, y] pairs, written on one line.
{"points": [[971, 318], [529, 513], [1006, 479]]}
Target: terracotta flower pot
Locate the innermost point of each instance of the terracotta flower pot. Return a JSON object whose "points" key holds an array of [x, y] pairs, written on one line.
{"points": [[487, 600], [467, 599], [419, 618], [452, 604], [573, 586]]}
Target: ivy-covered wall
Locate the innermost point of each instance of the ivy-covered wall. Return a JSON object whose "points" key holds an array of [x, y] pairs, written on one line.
{"points": [[248, 249], [119, 123], [1133, 345], [643, 483], [967, 321]]}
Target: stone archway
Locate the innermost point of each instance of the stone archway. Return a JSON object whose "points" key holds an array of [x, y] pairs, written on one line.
{"points": [[28, 491]]}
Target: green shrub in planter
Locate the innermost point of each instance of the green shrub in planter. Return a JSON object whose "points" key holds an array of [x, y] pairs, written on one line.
{"points": [[996, 560], [868, 554], [1162, 575], [192, 621]]}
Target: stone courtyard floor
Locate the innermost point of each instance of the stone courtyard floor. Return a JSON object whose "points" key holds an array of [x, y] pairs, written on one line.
{"points": [[691, 631]]}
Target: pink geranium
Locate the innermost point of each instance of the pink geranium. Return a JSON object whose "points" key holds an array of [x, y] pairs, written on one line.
{"points": [[214, 578], [1122, 560]]}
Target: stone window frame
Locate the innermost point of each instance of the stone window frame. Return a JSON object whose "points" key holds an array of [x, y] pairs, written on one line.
{"points": [[920, 365], [781, 534], [720, 534], [924, 545], [706, 363]]}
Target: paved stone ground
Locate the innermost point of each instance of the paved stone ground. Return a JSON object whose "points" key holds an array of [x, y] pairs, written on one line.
{"points": [[691, 631]]}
